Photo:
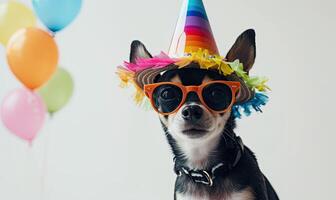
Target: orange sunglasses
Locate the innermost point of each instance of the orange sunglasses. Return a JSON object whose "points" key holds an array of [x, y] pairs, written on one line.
{"points": [[168, 97]]}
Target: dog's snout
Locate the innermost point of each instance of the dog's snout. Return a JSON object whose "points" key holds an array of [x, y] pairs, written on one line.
{"points": [[192, 113]]}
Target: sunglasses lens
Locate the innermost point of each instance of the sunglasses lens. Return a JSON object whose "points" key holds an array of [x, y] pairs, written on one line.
{"points": [[217, 96], [167, 98]]}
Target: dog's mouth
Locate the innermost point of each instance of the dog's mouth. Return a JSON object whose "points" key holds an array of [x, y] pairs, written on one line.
{"points": [[195, 132]]}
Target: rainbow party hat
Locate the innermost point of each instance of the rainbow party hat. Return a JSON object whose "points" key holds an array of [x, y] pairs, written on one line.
{"points": [[193, 31]]}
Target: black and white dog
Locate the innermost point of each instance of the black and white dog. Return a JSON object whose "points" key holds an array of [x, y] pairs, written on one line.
{"points": [[211, 162]]}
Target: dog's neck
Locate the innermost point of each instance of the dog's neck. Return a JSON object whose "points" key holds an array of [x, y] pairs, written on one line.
{"points": [[197, 153], [204, 154]]}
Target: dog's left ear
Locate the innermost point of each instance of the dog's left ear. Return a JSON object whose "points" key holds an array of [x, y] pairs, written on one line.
{"points": [[244, 49], [138, 50]]}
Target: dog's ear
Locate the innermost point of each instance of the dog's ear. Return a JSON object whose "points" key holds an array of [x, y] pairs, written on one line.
{"points": [[138, 50], [244, 49]]}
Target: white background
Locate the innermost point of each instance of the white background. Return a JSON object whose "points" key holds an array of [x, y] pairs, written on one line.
{"points": [[102, 146]]}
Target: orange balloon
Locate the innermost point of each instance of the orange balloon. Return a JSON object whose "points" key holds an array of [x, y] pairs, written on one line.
{"points": [[32, 55]]}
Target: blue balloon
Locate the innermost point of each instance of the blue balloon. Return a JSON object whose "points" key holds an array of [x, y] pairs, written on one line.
{"points": [[57, 14]]}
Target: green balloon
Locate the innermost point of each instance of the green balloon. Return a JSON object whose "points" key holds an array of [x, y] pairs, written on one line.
{"points": [[58, 90]]}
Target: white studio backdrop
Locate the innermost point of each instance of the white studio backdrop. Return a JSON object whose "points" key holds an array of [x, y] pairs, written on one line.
{"points": [[102, 146]]}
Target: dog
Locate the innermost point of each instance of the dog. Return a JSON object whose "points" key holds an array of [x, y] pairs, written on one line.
{"points": [[211, 161]]}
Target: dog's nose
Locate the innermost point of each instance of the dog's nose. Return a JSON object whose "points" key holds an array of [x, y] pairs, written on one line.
{"points": [[192, 113]]}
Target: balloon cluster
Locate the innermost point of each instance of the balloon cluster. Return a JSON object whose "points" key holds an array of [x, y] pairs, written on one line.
{"points": [[32, 56]]}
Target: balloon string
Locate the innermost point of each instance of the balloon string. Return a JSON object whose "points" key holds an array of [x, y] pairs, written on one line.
{"points": [[44, 173], [30, 164], [30, 143]]}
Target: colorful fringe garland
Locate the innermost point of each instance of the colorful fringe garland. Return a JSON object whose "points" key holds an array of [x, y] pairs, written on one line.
{"points": [[260, 99], [206, 61]]}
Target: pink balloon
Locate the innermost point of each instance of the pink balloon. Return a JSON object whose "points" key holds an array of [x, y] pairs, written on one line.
{"points": [[23, 113]]}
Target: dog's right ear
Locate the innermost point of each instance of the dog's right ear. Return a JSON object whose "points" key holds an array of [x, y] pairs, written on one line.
{"points": [[138, 50]]}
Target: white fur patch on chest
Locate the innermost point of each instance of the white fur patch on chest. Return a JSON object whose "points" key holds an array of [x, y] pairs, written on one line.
{"points": [[246, 194]]}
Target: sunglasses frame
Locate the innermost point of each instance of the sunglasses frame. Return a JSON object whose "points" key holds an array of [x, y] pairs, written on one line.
{"points": [[233, 85]]}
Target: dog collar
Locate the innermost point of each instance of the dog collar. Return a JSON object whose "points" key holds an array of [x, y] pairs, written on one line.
{"points": [[207, 177]]}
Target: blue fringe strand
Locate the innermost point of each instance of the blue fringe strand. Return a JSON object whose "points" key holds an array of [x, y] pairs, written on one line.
{"points": [[260, 99]]}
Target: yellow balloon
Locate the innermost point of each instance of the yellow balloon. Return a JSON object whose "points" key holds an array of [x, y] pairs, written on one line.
{"points": [[14, 16]]}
